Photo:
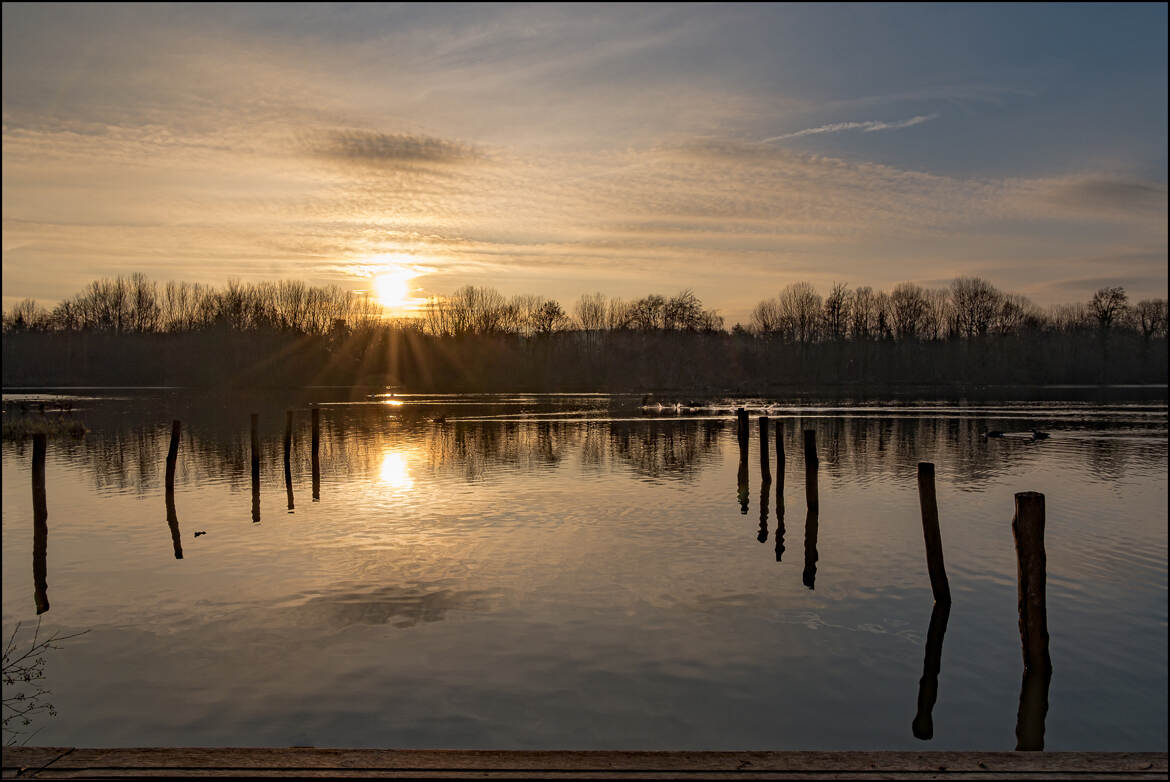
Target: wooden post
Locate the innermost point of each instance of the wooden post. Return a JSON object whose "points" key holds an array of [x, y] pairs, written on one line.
{"points": [[1033, 711], [316, 414], [172, 516], [173, 452], [810, 447], [40, 527], [1028, 529], [780, 449], [255, 468], [288, 428], [742, 431], [811, 493], [765, 469], [930, 531], [923, 725], [288, 431]]}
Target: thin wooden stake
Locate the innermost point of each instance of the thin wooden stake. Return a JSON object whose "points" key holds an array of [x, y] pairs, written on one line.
{"points": [[1028, 530], [930, 532]]}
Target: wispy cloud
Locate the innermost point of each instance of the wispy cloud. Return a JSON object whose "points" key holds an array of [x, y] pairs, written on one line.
{"points": [[868, 126], [372, 147]]}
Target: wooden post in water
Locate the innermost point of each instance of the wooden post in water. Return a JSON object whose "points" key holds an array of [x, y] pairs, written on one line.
{"points": [[172, 516], [765, 468], [811, 495], [930, 531], [316, 415], [40, 527], [1028, 529], [1033, 711], [780, 449], [255, 468], [288, 428]]}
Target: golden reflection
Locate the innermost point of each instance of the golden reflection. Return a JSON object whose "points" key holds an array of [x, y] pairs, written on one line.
{"points": [[393, 402], [395, 471]]}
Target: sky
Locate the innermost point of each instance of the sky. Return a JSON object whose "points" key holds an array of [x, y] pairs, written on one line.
{"points": [[559, 150]]}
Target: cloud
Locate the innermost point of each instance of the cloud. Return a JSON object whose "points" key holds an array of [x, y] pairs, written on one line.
{"points": [[373, 148], [1121, 195], [868, 126]]}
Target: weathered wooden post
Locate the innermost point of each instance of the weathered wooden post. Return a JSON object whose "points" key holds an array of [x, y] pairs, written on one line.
{"points": [[812, 497], [742, 430], [255, 468], [930, 531], [1028, 529], [923, 725], [780, 449], [765, 468], [40, 526], [172, 516], [1033, 711], [316, 414], [288, 428]]}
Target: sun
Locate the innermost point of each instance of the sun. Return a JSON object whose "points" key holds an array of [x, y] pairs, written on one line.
{"points": [[393, 288]]}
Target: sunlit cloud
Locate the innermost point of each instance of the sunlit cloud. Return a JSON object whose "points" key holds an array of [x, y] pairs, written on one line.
{"points": [[869, 126]]}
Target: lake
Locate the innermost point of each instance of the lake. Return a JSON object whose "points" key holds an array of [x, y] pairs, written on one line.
{"points": [[572, 572]]}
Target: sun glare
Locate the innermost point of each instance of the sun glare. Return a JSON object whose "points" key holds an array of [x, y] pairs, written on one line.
{"points": [[394, 471], [393, 288]]}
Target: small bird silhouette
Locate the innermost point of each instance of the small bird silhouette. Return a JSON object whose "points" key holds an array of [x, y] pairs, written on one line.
{"points": [[1038, 435], [199, 532]]}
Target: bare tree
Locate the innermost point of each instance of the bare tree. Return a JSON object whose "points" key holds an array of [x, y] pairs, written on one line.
{"points": [[1151, 317], [837, 312], [766, 318], [549, 317], [800, 309], [1108, 305], [908, 305], [590, 312], [861, 313], [976, 302]]}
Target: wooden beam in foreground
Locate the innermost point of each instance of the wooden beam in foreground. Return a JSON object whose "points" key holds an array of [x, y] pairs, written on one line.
{"points": [[65, 762]]}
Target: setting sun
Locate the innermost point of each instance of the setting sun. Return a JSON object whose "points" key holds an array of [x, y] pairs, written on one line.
{"points": [[393, 288]]}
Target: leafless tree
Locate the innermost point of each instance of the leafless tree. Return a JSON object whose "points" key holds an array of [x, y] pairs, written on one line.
{"points": [[1108, 305]]}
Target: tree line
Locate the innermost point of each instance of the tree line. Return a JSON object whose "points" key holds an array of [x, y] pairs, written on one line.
{"points": [[131, 331], [970, 307]]}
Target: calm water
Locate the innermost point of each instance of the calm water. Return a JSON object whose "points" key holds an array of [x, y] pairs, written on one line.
{"points": [[564, 572]]}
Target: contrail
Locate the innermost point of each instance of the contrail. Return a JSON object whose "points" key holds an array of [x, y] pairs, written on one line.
{"points": [[864, 127]]}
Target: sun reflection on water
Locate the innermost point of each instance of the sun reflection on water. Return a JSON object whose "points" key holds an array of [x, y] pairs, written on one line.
{"points": [[395, 471]]}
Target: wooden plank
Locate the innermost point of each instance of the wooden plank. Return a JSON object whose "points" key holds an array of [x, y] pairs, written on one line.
{"points": [[30, 762]]}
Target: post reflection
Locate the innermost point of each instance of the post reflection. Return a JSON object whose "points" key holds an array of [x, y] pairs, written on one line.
{"points": [[779, 513], [765, 490], [923, 725], [742, 478], [811, 526], [288, 490], [40, 527], [1033, 710]]}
